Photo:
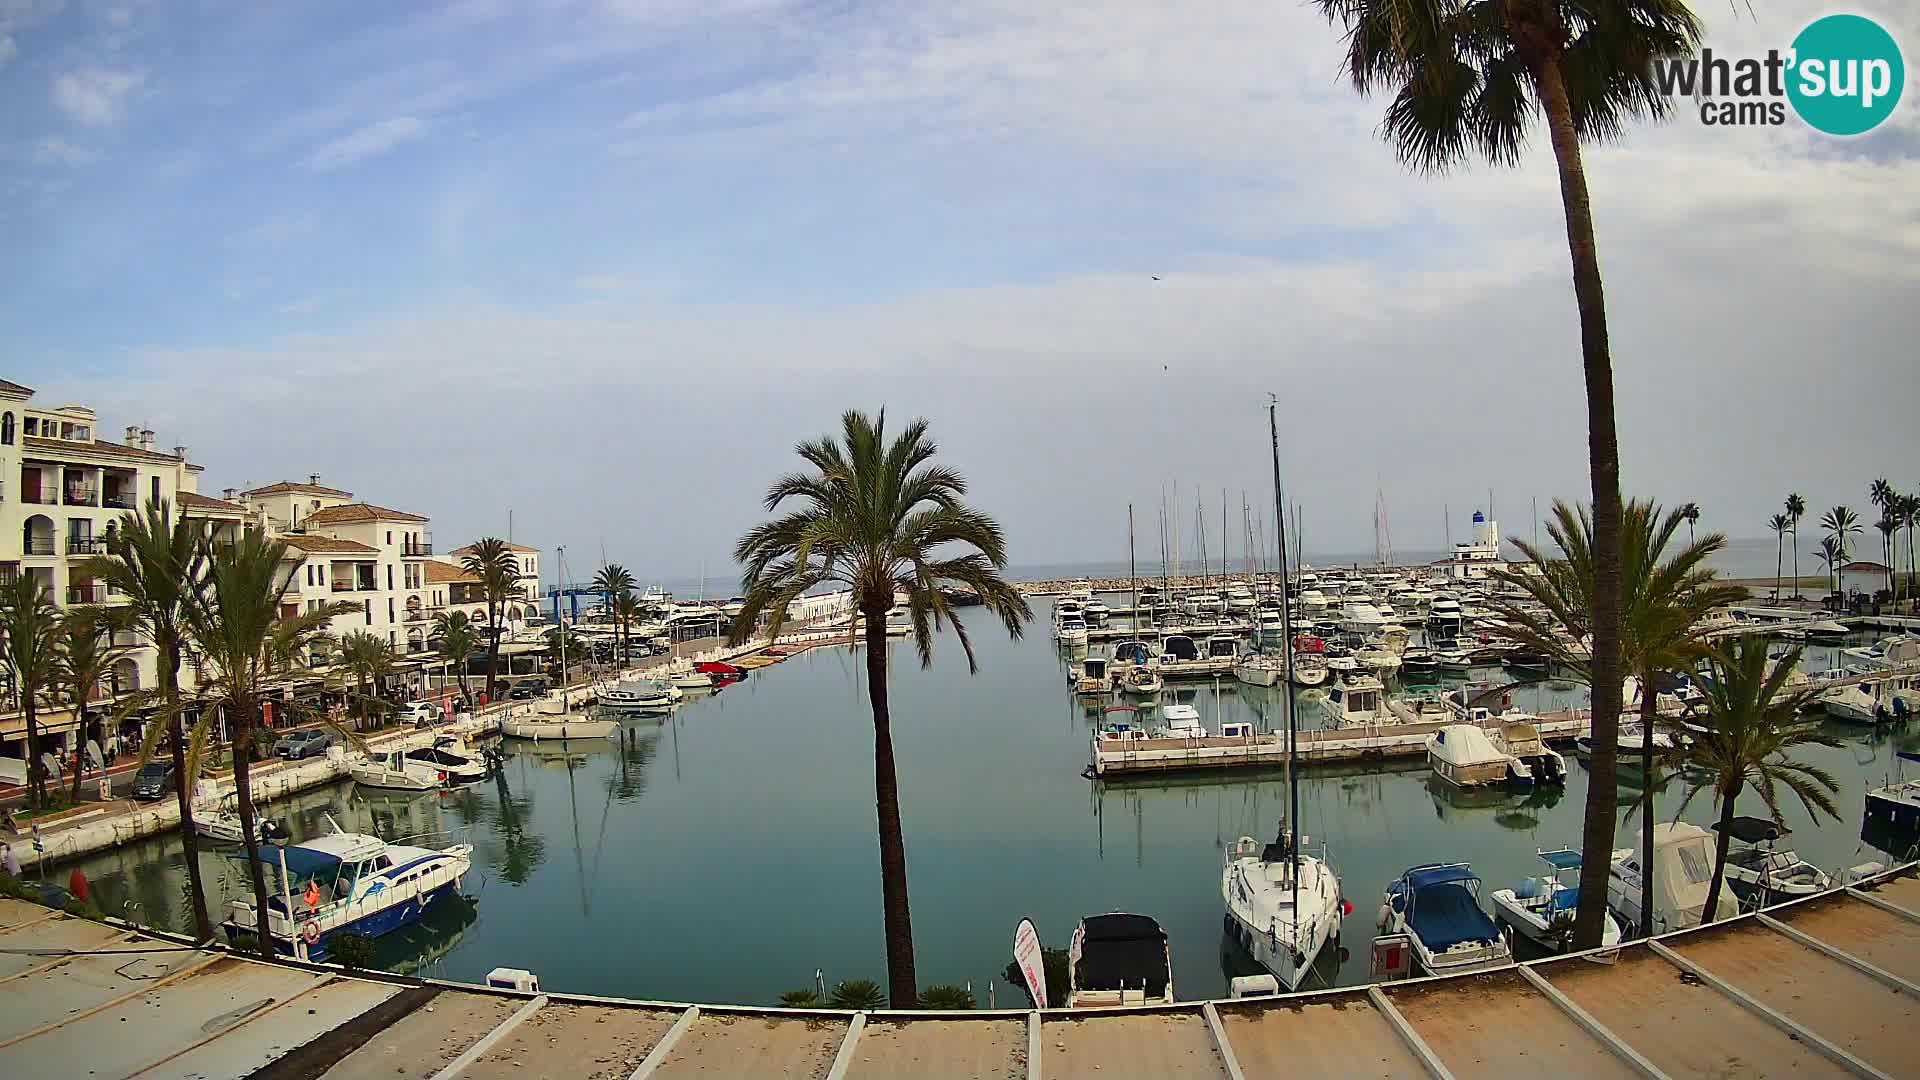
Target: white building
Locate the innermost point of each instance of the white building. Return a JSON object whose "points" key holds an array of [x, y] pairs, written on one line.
{"points": [[451, 588], [1475, 558]]}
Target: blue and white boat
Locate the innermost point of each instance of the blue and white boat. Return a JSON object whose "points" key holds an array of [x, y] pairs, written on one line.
{"points": [[1438, 907], [1542, 908], [350, 883]]}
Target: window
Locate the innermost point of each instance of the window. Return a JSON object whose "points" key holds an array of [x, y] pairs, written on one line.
{"points": [[309, 573], [156, 489], [323, 573], [33, 425], [367, 607], [390, 609], [6, 429], [389, 537], [389, 570]]}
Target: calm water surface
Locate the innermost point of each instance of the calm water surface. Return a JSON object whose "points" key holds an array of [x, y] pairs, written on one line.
{"points": [[726, 854]]}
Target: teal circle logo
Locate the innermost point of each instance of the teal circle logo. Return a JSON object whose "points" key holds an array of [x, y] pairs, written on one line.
{"points": [[1846, 74]]}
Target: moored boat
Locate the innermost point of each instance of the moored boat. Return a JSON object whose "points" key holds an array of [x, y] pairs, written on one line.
{"points": [[1118, 959], [1437, 906], [1260, 885], [1542, 909], [1758, 871]]}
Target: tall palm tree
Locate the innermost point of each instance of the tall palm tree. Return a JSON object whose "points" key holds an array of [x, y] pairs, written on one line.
{"points": [[87, 654], [370, 661], [236, 620], [1691, 512], [1841, 524], [1752, 722], [1664, 597], [454, 631], [154, 560], [1910, 517], [1830, 557], [1881, 494], [30, 651], [879, 518], [493, 563], [1779, 523], [1468, 79], [612, 582], [1796, 509], [627, 610], [1889, 527]]}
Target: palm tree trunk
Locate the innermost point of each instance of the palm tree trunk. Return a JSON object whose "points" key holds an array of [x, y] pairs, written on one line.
{"points": [[1649, 709], [243, 721], [1603, 457], [493, 651], [1796, 560], [36, 774], [1720, 853], [183, 786], [902, 985], [1779, 545], [79, 748]]}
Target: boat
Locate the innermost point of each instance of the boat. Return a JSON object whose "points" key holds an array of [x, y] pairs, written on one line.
{"points": [[1283, 907], [1094, 681], [1437, 906], [1140, 681], [1357, 701], [1223, 647], [1518, 733], [1444, 616], [1255, 669], [640, 695], [1358, 616], [1269, 627], [394, 771], [1683, 855], [1826, 632], [1466, 757], [1118, 959], [720, 670], [1758, 871], [349, 883], [1629, 746], [1542, 909], [553, 720], [1180, 722], [682, 674], [1893, 810], [1527, 661], [1382, 663], [222, 826], [1871, 700], [1072, 631], [452, 755], [1419, 665]]}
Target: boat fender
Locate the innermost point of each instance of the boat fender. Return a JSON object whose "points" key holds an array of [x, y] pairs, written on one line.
{"points": [[311, 933]]}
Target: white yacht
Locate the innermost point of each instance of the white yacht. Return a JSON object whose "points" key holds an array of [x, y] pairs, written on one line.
{"points": [[1180, 722], [350, 883], [1118, 959], [1869, 701], [683, 674], [1630, 747], [552, 719], [1140, 681], [640, 695], [394, 771], [1463, 755], [1359, 616], [1758, 871], [1094, 680], [1096, 613], [1313, 603], [1542, 909], [1381, 663], [452, 755], [1438, 907], [1357, 701], [1684, 854], [1259, 885], [223, 825]]}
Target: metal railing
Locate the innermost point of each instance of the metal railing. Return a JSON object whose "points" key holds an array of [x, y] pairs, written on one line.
{"points": [[120, 502], [83, 497], [37, 545], [87, 594], [86, 545], [39, 498], [422, 546]]}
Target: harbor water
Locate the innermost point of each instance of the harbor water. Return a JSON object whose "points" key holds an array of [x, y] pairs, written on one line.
{"points": [[726, 853]]}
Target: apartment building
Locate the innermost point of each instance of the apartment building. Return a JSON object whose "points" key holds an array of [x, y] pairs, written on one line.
{"points": [[451, 588]]}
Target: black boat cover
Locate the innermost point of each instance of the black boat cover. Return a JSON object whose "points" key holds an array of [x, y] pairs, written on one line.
{"points": [[1121, 950]]}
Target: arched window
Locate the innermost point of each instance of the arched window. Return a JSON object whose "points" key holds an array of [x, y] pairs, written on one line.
{"points": [[6, 429]]}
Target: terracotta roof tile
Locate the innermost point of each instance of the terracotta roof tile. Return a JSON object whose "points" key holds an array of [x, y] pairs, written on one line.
{"points": [[439, 573], [468, 550], [338, 515], [328, 545], [286, 488], [14, 387], [99, 446], [195, 500]]}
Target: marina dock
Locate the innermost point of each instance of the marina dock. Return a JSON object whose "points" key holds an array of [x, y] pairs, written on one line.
{"points": [[1144, 756], [1828, 986]]}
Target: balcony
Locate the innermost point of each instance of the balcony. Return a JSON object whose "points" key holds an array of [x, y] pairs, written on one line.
{"points": [[120, 500], [414, 549], [82, 497], [38, 498], [95, 593], [37, 545], [86, 545]]}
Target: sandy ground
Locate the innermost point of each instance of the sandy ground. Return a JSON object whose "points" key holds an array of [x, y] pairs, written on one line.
{"points": [[1834, 1001], [975, 1048], [718, 1045], [1497, 1025], [1881, 938], [1685, 1028], [422, 1043], [575, 1042], [1346, 1039], [1169, 1046]]}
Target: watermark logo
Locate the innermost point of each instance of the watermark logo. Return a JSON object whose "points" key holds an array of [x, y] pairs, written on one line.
{"points": [[1843, 75]]}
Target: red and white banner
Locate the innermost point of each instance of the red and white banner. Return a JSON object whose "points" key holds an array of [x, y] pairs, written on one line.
{"points": [[1027, 954]]}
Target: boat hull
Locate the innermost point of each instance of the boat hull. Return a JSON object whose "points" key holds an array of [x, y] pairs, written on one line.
{"points": [[537, 730], [373, 925]]}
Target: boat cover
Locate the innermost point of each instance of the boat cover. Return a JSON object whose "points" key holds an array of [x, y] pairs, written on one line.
{"points": [[1122, 950], [1448, 914], [1562, 859], [1752, 830]]}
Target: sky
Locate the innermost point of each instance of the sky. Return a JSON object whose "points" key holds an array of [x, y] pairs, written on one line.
{"points": [[603, 264]]}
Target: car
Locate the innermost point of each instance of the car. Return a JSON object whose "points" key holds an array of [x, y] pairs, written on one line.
{"points": [[525, 691], [421, 713], [153, 781], [304, 743]]}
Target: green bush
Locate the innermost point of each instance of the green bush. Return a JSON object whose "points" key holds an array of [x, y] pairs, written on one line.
{"points": [[800, 999], [352, 950], [1054, 963], [946, 996], [857, 994]]}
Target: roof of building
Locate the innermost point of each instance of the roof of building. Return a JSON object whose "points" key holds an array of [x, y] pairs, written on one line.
{"points": [[288, 488], [468, 550], [351, 512], [329, 545], [14, 387], [439, 573], [196, 501], [102, 447], [1864, 567]]}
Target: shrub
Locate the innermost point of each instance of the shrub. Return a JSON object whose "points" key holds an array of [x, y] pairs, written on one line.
{"points": [[946, 996], [857, 994], [800, 999], [352, 950]]}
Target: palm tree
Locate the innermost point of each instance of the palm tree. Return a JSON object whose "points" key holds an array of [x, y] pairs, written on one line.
{"points": [[1691, 512], [1881, 494], [880, 519], [1889, 527], [627, 610], [457, 640], [235, 620], [30, 650], [493, 563], [1779, 523], [1664, 597], [612, 582], [1910, 516], [1468, 77], [370, 662], [1841, 525], [87, 654], [1830, 557], [1752, 722], [1796, 509], [154, 560]]}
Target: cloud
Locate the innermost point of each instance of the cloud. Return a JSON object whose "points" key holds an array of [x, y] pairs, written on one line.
{"points": [[370, 141], [57, 151], [92, 95], [8, 50]]}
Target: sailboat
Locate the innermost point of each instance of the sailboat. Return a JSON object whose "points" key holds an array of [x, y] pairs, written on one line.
{"points": [[555, 719], [1283, 905]]}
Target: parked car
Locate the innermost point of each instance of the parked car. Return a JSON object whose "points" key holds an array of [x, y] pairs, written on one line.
{"points": [[421, 713], [526, 691], [305, 743], [153, 781]]}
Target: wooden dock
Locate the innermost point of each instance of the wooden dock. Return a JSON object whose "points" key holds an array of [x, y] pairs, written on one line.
{"points": [[1828, 986], [1149, 756]]}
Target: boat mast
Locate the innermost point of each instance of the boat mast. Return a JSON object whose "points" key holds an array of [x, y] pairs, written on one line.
{"points": [[1133, 573], [1286, 633]]}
